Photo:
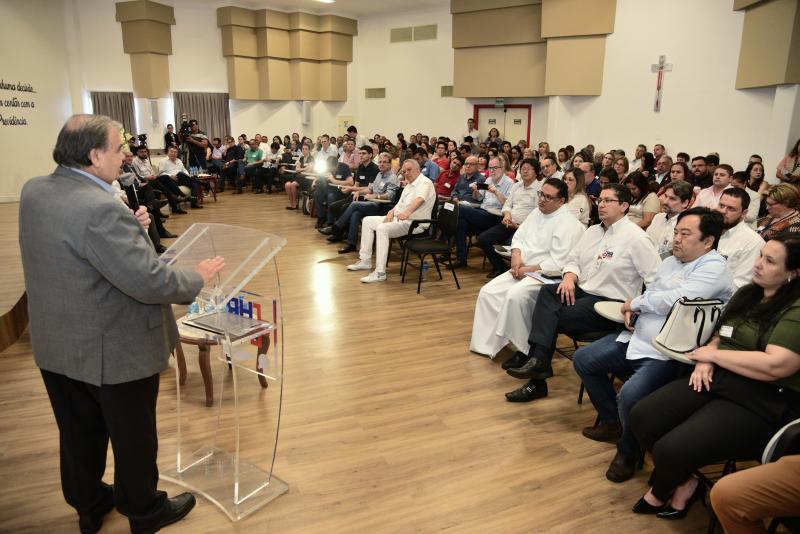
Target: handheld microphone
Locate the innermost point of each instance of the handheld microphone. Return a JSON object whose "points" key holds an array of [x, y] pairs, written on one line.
{"points": [[128, 182]]}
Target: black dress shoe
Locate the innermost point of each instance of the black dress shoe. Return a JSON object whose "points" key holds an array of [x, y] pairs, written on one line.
{"points": [[335, 237], [179, 211], [460, 264], [158, 204], [320, 224], [530, 391], [644, 507], [168, 235], [90, 523], [174, 510], [160, 249], [196, 206], [517, 360], [621, 468], [348, 248], [606, 432], [533, 368], [671, 513], [325, 230]]}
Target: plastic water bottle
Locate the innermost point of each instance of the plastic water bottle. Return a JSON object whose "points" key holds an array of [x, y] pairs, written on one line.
{"points": [[425, 269], [193, 309]]}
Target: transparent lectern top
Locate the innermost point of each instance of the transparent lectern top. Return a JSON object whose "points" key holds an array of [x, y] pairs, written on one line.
{"points": [[246, 252]]}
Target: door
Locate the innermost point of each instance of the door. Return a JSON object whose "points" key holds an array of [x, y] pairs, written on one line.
{"points": [[490, 118], [516, 125], [513, 121]]}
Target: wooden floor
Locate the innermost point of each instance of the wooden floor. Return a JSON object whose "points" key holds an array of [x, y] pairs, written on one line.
{"points": [[389, 424]]}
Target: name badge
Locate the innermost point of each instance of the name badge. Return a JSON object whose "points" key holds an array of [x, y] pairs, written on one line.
{"points": [[726, 331], [361, 177], [447, 185]]}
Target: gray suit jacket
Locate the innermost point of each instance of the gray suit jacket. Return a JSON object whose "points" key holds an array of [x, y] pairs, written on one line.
{"points": [[98, 297]]}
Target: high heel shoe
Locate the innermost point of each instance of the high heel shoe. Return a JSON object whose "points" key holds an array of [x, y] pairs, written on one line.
{"points": [[671, 513], [644, 507]]}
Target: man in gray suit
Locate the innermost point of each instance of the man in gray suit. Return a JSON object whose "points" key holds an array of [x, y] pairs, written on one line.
{"points": [[101, 325]]}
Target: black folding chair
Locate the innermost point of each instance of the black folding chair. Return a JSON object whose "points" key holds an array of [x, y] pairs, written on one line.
{"points": [[427, 245]]}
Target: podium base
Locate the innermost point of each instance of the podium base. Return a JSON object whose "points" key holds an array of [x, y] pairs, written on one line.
{"points": [[211, 473]]}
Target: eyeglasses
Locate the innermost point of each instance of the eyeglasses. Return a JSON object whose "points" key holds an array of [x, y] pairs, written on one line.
{"points": [[547, 197], [601, 201], [493, 168]]}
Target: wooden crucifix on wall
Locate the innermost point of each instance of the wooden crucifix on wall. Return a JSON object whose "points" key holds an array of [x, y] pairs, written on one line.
{"points": [[661, 67]]}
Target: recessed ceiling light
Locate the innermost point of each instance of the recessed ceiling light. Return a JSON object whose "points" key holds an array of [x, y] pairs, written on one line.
{"points": [[325, 1]]}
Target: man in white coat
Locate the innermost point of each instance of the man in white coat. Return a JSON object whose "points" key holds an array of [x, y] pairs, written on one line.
{"points": [[543, 241]]}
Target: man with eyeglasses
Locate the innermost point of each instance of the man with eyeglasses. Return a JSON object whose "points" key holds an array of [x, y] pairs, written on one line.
{"points": [[462, 192], [488, 214], [610, 262], [543, 242]]}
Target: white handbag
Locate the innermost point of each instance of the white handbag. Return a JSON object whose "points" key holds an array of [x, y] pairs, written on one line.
{"points": [[689, 324]]}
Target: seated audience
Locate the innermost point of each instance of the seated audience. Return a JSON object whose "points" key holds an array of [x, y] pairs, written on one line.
{"points": [[144, 171], [662, 170], [740, 179], [675, 199], [253, 165], [171, 171], [462, 191], [788, 170], [365, 175], [473, 219], [744, 387], [328, 190], [590, 179], [429, 169], [720, 181], [521, 200], [349, 155], [377, 200], [694, 271], [232, 164], [215, 158], [701, 176], [440, 158], [542, 243], [448, 179], [739, 244], [610, 262], [621, 167], [578, 204], [782, 202], [416, 202], [644, 204]]}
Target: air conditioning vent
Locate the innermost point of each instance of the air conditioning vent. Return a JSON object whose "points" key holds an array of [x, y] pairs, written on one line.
{"points": [[401, 35], [375, 92], [424, 33], [447, 90]]}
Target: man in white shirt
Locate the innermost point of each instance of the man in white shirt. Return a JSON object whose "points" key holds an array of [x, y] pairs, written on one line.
{"points": [[610, 262], [415, 203], [695, 270], [521, 201], [674, 200], [663, 166], [326, 149], [543, 241], [638, 155], [172, 169], [739, 244], [471, 131], [550, 169], [721, 180], [472, 219]]}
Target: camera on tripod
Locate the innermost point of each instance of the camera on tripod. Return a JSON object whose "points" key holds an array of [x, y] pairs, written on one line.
{"points": [[142, 140]]}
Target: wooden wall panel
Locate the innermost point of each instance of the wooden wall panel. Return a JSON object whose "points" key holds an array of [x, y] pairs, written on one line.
{"points": [[279, 79], [235, 16], [514, 25], [575, 65], [743, 4], [527, 62], [267, 18], [303, 21], [239, 41], [243, 78], [465, 6], [144, 10], [333, 23], [146, 36], [305, 79], [150, 73], [273, 43], [304, 45], [566, 18], [333, 81], [335, 46], [766, 56]]}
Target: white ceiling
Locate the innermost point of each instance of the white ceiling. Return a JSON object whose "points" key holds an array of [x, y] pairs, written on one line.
{"points": [[347, 8]]}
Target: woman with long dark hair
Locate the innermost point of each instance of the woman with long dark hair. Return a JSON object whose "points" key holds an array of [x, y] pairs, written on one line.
{"points": [[744, 388], [645, 204]]}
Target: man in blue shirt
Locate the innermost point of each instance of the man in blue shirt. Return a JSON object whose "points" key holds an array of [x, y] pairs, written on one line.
{"points": [[463, 190], [694, 270], [429, 169]]}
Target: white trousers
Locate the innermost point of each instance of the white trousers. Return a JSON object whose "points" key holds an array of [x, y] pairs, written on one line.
{"points": [[504, 314], [373, 229]]}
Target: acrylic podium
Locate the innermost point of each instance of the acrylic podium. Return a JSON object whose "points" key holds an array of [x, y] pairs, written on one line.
{"points": [[226, 453]]}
